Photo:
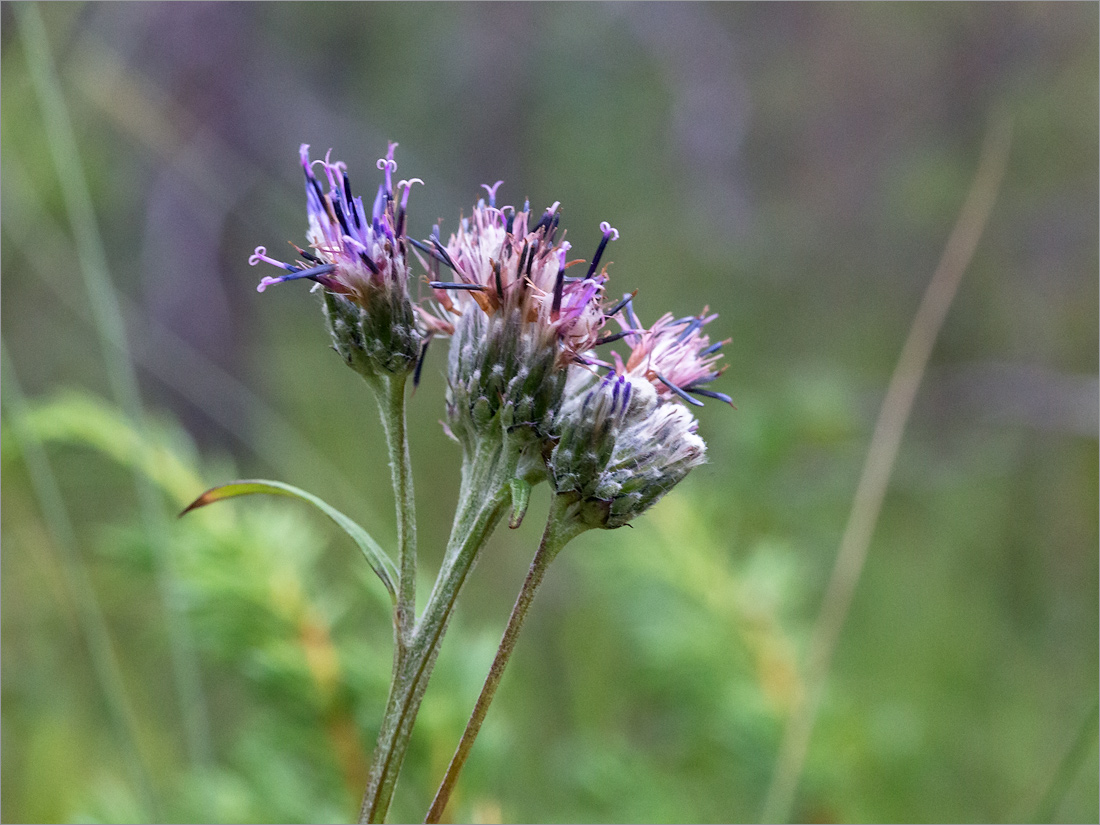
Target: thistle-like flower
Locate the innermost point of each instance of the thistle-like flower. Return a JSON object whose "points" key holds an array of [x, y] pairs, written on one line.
{"points": [[620, 449], [675, 355], [625, 441], [361, 263], [517, 320]]}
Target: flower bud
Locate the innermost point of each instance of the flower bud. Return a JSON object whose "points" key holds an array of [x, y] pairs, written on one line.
{"points": [[500, 373], [620, 449], [651, 457], [383, 340]]}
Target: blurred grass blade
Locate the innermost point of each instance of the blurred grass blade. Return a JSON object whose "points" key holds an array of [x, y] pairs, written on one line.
{"points": [[77, 583], [379, 561], [1068, 768], [879, 464], [104, 305], [225, 399], [160, 454]]}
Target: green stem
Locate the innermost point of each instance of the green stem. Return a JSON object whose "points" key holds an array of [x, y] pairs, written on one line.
{"points": [[390, 393], [484, 498], [561, 528]]}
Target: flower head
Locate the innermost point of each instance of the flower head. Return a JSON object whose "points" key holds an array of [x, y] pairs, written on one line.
{"points": [[674, 354], [623, 441], [517, 318], [502, 263], [361, 261], [351, 255], [620, 449]]}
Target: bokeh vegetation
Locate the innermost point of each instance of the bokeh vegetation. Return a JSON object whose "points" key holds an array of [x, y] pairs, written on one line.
{"points": [[796, 167]]}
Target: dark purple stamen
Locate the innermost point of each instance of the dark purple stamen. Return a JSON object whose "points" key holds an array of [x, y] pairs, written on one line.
{"points": [[316, 185], [721, 396], [427, 250], [313, 272], [706, 379], [499, 282], [420, 362], [371, 265], [441, 250], [553, 229], [712, 348], [309, 256], [543, 222], [599, 253], [615, 336], [679, 391], [559, 285], [531, 259], [630, 315], [694, 325], [338, 208], [452, 285], [522, 256], [347, 189], [621, 304]]}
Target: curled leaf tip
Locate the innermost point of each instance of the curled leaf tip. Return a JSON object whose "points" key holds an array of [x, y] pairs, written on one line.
{"points": [[209, 497], [521, 498]]}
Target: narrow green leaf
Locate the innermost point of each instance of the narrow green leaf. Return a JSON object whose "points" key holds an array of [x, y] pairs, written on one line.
{"points": [[379, 561]]}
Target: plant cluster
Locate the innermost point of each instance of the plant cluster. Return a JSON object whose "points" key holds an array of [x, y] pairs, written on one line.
{"points": [[533, 394]]}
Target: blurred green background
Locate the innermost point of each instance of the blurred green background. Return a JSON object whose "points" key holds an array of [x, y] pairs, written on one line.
{"points": [[796, 167]]}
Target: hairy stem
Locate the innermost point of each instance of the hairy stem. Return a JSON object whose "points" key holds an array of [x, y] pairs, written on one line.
{"points": [[390, 392], [483, 500], [560, 530]]}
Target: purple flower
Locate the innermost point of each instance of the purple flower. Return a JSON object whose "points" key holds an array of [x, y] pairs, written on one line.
{"points": [[361, 261], [354, 253], [675, 355], [506, 265]]}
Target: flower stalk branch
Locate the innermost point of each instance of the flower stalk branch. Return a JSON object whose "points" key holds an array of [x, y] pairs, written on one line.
{"points": [[484, 498], [560, 529]]}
